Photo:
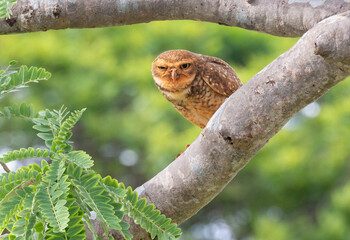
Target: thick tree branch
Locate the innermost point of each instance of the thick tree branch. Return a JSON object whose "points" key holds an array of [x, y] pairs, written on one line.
{"points": [[249, 118], [277, 17]]}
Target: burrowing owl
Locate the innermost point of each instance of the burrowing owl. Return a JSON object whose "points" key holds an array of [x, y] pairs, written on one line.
{"points": [[195, 84]]}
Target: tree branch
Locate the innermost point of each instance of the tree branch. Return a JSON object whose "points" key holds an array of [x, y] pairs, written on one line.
{"points": [[278, 17], [249, 118]]}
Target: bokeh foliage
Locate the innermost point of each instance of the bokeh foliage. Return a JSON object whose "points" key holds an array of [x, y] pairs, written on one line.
{"points": [[297, 187]]}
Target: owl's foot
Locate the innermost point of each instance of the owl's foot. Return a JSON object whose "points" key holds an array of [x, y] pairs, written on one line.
{"points": [[178, 155]]}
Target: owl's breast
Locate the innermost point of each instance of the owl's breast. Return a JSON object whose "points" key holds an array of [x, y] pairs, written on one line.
{"points": [[197, 103], [178, 96]]}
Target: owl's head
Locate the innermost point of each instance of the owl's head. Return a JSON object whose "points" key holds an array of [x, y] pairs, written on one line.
{"points": [[174, 70]]}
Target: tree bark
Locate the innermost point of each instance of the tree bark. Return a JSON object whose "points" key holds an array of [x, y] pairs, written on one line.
{"points": [[248, 118], [278, 17]]}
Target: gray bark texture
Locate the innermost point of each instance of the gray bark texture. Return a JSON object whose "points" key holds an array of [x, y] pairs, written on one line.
{"points": [[248, 118], [278, 17]]}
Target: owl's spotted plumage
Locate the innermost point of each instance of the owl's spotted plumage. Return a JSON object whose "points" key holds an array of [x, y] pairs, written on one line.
{"points": [[195, 84]]}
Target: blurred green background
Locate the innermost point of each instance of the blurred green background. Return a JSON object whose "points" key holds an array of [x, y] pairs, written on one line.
{"points": [[297, 187]]}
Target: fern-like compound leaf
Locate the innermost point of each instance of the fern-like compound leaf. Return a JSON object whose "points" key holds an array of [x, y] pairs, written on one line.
{"points": [[52, 196], [145, 215], [76, 228], [24, 224], [149, 218], [8, 210], [50, 201], [15, 212], [59, 142], [26, 153], [25, 111], [55, 128], [10, 182], [10, 81], [114, 187], [54, 211], [95, 197], [46, 122], [54, 174], [28, 214]]}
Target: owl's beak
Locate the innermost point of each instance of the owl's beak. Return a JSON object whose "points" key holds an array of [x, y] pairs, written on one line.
{"points": [[174, 75]]}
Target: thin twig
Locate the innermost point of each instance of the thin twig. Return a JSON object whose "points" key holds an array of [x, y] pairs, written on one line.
{"points": [[4, 166]]}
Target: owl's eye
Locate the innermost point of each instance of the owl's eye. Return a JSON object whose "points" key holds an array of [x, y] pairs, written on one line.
{"points": [[162, 67], [184, 66]]}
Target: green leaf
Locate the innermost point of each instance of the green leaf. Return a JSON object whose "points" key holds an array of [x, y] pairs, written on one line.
{"points": [[55, 129], [149, 218], [45, 136], [13, 62], [25, 111], [81, 159], [42, 128], [23, 77], [39, 227], [5, 11], [54, 212], [94, 196], [25, 153], [64, 133], [8, 210], [52, 196]]}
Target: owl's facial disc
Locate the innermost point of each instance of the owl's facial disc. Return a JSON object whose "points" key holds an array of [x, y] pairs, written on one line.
{"points": [[174, 70]]}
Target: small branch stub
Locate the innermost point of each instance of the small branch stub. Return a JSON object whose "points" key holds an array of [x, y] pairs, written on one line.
{"points": [[334, 44], [4, 166]]}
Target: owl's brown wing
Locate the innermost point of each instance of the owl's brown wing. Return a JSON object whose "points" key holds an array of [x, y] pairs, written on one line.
{"points": [[220, 76]]}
